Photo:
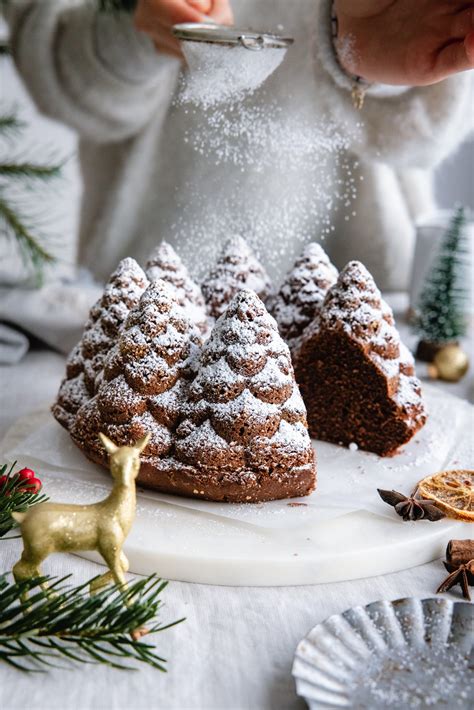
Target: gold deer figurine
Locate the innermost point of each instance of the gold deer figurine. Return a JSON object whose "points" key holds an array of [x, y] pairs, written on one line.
{"points": [[103, 526]]}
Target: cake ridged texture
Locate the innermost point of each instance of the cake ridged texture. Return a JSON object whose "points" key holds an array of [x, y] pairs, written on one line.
{"points": [[106, 320], [302, 293], [226, 421], [236, 269], [246, 419], [165, 264], [142, 384], [356, 377]]}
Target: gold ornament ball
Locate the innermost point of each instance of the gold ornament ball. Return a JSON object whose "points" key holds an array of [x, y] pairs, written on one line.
{"points": [[450, 364]]}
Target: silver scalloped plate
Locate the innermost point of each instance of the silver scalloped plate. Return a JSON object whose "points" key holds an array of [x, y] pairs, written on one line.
{"points": [[410, 653]]}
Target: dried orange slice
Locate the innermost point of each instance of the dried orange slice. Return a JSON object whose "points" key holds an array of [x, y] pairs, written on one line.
{"points": [[452, 492]]}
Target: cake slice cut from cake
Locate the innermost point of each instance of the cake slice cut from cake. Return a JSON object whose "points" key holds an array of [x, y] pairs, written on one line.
{"points": [[165, 264], [245, 432], [302, 292], [106, 319], [356, 377], [236, 269]]}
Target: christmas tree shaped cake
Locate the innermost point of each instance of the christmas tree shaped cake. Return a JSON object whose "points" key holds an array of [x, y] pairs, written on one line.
{"points": [[303, 292], [106, 319], [237, 268], [164, 263], [142, 388], [245, 433], [356, 378]]}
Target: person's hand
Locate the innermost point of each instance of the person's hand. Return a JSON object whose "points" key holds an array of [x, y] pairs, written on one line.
{"points": [[408, 42], [157, 17]]}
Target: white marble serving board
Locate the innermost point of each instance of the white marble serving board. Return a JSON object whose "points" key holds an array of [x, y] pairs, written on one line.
{"points": [[342, 531]]}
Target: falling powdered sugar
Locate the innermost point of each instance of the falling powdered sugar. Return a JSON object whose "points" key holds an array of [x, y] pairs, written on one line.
{"points": [[274, 165], [290, 172], [219, 73]]}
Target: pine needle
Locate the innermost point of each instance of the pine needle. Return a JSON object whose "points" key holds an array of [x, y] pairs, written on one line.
{"points": [[14, 499], [29, 170], [33, 252], [10, 125], [16, 175], [65, 624]]}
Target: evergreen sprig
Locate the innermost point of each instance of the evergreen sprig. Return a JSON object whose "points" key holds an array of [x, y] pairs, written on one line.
{"points": [[441, 308], [14, 498], [65, 623], [29, 170], [16, 221], [10, 125]]}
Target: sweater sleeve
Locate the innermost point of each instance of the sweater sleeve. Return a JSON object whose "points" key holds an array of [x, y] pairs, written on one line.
{"points": [[415, 127], [93, 71]]}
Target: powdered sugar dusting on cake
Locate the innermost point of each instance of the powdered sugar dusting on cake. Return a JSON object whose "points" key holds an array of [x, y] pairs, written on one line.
{"points": [[255, 380], [409, 397], [355, 304], [136, 393], [237, 268], [164, 263], [106, 320], [303, 292], [354, 307]]}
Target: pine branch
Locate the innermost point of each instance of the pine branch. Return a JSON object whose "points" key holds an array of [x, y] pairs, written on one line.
{"points": [[14, 498], [66, 623], [15, 173], [29, 170], [10, 124], [31, 249]]}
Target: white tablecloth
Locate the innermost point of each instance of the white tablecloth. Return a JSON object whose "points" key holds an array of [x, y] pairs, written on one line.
{"points": [[235, 649]]}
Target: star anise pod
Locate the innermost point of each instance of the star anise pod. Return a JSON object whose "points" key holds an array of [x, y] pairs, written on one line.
{"points": [[463, 575], [410, 507]]}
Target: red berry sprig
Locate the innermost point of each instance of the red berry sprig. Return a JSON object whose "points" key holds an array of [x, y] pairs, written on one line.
{"points": [[18, 491], [23, 481], [32, 483]]}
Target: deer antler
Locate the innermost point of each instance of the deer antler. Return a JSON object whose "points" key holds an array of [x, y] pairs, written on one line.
{"points": [[142, 443], [110, 447]]}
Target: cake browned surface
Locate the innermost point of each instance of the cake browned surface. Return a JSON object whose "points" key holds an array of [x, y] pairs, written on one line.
{"points": [[302, 292], [246, 422], [106, 319], [236, 269], [165, 264], [226, 423], [143, 378], [356, 378]]}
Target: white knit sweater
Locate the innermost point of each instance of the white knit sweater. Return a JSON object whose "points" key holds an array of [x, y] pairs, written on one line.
{"points": [[142, 180]]}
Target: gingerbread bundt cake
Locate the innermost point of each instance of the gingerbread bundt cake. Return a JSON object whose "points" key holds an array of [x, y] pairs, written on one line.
{"points": [[356, 378], [236, 269], [164, 263], [106, 319], [142, 384], [302, 292], [245, 431], [227, 422]]}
